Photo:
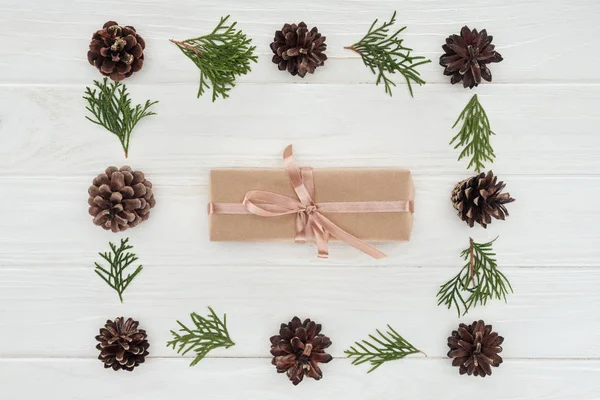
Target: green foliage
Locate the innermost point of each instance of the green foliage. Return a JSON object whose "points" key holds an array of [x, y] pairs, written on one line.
{"points": [[388, 347], [119, 260], [210, 333], [111, 107], [477, 282], [220, 56], [474, 135], [386, 54]]}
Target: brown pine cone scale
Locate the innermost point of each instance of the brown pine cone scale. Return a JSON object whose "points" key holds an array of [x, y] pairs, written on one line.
{"points": [[475, 349], [122, 344], [120, 198], [298, 50], [299, 348], [117, 51]]}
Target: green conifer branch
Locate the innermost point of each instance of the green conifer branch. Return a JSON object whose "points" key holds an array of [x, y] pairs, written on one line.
{"points": [[111, 108], [388, 346], [220, 56], [119, 259], [386, 54], [478, 281], [210, 333], [474, 135]]}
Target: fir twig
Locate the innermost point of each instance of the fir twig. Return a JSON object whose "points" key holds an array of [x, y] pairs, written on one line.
{"points": [[386, 54], [119, 259], [111, 107], [474, 135], [220, 56], [388, 346], [477, 282], [210, 333]]}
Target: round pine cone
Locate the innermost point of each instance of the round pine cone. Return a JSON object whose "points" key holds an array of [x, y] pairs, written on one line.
{"points": [[479, 198], [122, 345], [117, 51], [298, 50], [465, 57], [474, 349], [298, 349], [120, 198]]}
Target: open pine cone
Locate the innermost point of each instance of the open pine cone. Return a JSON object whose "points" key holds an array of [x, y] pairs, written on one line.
{"points": [[479, 198], [117, 51], [122, 345], [298, 349], [120, 198], [466, 55], [298, 50], [474, 349]]}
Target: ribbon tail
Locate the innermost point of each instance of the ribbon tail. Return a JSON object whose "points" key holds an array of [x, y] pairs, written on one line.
{"points": [[321, 237], [334, 230]]}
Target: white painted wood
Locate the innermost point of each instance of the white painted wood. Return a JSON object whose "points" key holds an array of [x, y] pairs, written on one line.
{"points": [[543, 105]]}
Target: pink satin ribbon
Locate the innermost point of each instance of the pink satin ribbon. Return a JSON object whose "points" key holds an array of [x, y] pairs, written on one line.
{"points": [[311, 225]]}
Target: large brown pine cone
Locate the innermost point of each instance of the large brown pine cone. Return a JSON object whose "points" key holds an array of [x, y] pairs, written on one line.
{"points": [[117, 51], [474, 349], [466, 55], [479, 198], [298, 50], [298, 349], [120, 198], [122, 345]]}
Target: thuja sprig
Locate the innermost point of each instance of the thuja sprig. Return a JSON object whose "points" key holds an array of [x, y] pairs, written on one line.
{"points": [[477, 282], [111, 107], [388, 346], [474, 135], [386, 54], [119, 260], [209, 334], [220, 56]]}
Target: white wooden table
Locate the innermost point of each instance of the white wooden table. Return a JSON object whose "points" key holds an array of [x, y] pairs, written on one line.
{"points": [[543, 104]]}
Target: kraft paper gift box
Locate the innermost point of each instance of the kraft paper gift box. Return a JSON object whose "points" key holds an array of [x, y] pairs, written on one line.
{"points": [[374, 190]]}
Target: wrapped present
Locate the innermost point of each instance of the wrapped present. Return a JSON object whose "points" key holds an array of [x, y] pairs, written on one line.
{"points": [[352, 205]]}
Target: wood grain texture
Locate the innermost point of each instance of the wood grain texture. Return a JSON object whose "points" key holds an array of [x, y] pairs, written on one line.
{"points": [[543, 106]]}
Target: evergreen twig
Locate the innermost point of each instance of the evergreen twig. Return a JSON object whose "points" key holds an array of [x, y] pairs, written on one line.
{"points": [[386, 54], [477, 282], [220, 56], [474, 135], [111, 108], [119, 260], [388, 346], [210, 333]]}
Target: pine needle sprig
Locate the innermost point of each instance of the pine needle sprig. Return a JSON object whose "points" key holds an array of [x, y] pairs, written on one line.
{"points": [[220, 56], [388, 346], [111, 107], [474, 135], [210, 333], [386, 54], [119, 259], [477, 282]]}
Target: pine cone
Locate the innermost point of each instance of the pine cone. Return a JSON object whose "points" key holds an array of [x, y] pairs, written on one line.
{"points": [[298, 349], [117, 51], [120, 198], [478, 199], [466, 57], [122, 345], [298, 50], [474, 349]]}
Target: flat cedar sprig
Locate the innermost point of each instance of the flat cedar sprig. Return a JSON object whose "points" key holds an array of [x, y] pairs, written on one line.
{"points": [[119, 259], [386, 55], [220, 56], [111, 107], [388, 346], [477, 282], [209, 334], [474, 135]]}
